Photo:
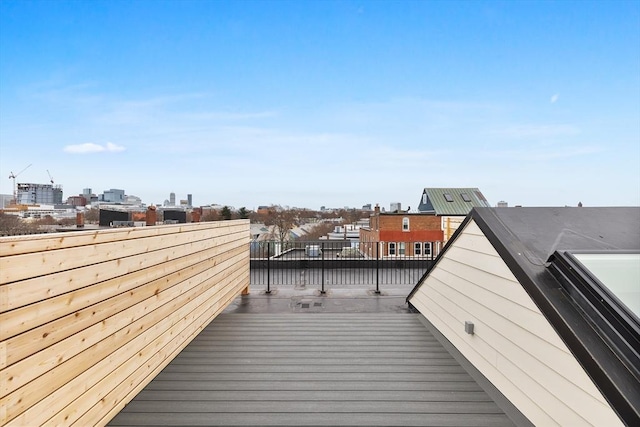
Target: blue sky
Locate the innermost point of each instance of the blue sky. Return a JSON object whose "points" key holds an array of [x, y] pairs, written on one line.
{"points": [[335, 103]]}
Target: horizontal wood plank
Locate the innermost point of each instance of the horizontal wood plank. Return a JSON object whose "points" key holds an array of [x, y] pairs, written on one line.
{"points": [[31, 290], [88, 319]]}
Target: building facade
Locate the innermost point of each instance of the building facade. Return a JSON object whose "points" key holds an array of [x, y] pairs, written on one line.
{"points": [[113, 196], [39, 194], [401, 234]]}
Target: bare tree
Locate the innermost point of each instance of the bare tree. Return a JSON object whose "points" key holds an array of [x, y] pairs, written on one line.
{"points": [[320, 229], [92, 215], [45, 220], [67, 222], [211, 215], [351, 216], [11, 225], [282, 219]]}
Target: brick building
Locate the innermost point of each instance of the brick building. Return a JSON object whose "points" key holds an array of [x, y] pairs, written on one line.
{"points": [[420, 234], [401, 234]]}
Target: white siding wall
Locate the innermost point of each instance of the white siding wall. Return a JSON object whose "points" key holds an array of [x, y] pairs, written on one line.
{"points": [[513, 346]]}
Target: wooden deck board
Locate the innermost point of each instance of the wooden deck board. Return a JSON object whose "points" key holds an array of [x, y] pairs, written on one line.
{"points": [[302, 419], [313, 369]]}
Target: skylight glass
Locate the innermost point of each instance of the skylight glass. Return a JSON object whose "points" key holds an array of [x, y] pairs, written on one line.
{"points": [[465, 197], [448, 197], [620, 273]]}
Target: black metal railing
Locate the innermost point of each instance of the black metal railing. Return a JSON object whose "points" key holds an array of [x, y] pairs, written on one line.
{"points": [[331, 263]]}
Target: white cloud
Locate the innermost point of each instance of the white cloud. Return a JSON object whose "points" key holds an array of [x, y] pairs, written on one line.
{"points": [[554, 98], [114, 148], [90, 147]]}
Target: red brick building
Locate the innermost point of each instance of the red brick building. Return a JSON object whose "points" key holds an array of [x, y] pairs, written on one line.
{"points": [[442, 210], [401, 234]]}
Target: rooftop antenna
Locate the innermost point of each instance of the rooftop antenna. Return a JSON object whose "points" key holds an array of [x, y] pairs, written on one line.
{"points": [[14, 176]]}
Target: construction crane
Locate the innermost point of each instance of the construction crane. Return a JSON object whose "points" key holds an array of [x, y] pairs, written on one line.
{"points": [[50, 177], [14, 176]]}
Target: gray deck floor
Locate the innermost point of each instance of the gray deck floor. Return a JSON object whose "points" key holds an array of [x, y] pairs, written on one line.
{"points": [[320, 369]]}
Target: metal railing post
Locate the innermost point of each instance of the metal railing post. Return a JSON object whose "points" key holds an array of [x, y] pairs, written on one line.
{"points": [[377, 267], [268, 268], [322, 291]]}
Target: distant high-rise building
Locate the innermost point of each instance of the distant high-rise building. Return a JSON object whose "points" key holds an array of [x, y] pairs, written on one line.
{"points": [[396, 206], [39, 194], [172, 199], [87, 192], [113, 195], [189, 200]]}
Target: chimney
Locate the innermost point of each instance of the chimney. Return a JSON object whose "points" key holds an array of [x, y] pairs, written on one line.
{"points": [[151, 215], [80, 220], [376, 210]]}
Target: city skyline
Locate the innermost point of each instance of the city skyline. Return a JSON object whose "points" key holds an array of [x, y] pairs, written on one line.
{"points": [[324, 103]]}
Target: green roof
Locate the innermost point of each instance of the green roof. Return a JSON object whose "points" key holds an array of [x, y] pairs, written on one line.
{"points": [[451, 201]]}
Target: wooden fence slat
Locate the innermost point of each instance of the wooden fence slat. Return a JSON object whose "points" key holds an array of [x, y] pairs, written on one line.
{"points": [[58, 398], [106, 312], [31, 316], [57, 401], [49, 358], [144, 330], [16, 245], [28, 291], [20, 346], [81, 414], [25, 266]]}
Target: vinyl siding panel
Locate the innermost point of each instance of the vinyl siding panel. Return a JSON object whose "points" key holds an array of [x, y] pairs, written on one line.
{"points": [[513, 346]]}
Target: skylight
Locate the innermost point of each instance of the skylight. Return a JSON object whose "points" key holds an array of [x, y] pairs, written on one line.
{"points": [[620, 273], [465, 197], [448, 197], [606, 288]]}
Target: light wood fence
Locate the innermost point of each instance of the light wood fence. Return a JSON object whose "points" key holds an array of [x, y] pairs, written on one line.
{"points": [[88, 318]]}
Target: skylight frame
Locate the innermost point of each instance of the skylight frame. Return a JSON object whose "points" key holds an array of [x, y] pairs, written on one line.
{"points": [[618, 325], [606, 272], [448, 197]]}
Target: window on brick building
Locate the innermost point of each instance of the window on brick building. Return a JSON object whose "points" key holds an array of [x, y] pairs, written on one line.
{"points": [[427, 248], [392, 248], [405, 224], [417, 249], [401, 248]]}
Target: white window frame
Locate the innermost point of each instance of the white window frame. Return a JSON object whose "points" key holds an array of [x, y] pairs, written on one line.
{"points": [[417, 249], [402, 248], [405, 224], [427, 249]]}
